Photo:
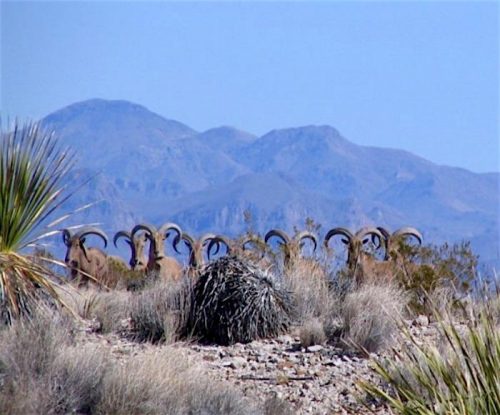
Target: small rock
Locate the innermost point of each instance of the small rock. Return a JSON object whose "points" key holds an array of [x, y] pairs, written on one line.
{"points": [[421, 320], [315, 348]]}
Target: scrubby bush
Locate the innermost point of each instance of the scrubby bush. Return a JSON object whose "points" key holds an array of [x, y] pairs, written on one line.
{"points": [[369, 316], [312, 332], [108, 308], [234, 301], [450, 269], [308, 283], [161, 310], [44, 371]]}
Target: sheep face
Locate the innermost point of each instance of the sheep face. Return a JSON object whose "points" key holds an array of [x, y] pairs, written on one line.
{"points": [[75, 255], [156, 247], [137, 262]]}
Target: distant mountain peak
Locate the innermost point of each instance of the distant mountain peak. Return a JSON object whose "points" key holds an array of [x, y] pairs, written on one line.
{"points": [[99, 109]]}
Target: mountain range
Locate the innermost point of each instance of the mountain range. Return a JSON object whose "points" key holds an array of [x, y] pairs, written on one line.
{"points": [[145, 168]]}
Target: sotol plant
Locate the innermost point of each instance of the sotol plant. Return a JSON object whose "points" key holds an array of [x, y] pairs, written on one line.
{"points": [[32, 166]]}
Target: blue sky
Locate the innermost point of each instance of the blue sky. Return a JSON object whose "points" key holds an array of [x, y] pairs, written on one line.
{"points": [[421, 76]]}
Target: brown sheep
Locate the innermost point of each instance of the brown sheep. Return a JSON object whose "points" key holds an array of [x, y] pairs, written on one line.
{"points": [[166, 267], [361, 265], [137, 243], [196, 249], [291, 246], [85, 263]]}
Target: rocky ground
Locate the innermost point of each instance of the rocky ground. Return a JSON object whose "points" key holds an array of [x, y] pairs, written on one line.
{"points": [[316, 380]]}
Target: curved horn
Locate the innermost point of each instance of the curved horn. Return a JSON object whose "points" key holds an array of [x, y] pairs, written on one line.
{"points": [[66, 235], [410, 232], [93, 231], [278, 233], [217, 240], [385, 233], [207, 237], [307, 235], [188, 240], [121, 234], [170, 226], [337, 231], [368, 230], [150, 229]]}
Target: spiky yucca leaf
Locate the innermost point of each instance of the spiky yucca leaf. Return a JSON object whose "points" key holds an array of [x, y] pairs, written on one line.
{"points": [[32, 166], [464, 380]]}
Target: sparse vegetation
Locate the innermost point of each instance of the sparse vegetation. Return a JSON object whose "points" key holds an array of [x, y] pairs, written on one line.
{"points": [[160, 311], [431, 269], [461, 377], [42, 371], [369, 316]]}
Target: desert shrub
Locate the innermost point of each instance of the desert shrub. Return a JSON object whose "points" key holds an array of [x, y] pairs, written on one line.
{"points": [[274, 405], [74, 382], [109, 309], [446, 268], [312, 332], [462, 377], [160, 311], [369, 316], [166, 382], [27, 351], [234, 301], [43, 371], [308, 282]]}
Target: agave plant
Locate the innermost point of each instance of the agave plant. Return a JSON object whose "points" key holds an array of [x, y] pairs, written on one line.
{"points": [[32, 166]]}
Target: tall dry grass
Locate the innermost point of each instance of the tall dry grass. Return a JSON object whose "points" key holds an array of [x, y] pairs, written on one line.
{"points": [[370, 315], [44, 370]]}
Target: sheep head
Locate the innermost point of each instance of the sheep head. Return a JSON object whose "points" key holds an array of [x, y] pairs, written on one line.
{"points": [[196, 247], [136, 244], [354, 242], [77, 256], [156, 239]]}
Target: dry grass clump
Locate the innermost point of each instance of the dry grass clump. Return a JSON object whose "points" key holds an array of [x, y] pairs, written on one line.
{"points": [[108, 308], [161, 310], [27, 352], [312, 332], [234, 301], [166, 382], [370, 315], [43, 371], [308, 282]]}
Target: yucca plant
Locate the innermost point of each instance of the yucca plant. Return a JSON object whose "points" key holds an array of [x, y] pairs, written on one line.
{"points": [[32, 167], [461, 378]]}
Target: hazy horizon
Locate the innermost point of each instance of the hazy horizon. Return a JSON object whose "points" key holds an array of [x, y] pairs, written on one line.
{"points": [[422, 77]]}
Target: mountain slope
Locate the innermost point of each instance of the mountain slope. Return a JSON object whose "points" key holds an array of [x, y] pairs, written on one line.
{"points": [[154, 170]]}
